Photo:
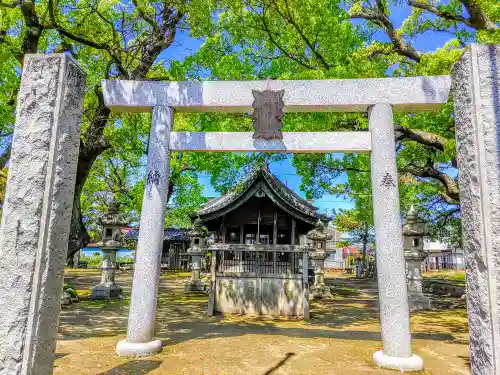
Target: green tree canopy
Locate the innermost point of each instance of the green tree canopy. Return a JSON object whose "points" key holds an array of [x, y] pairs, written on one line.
{"points": [[251, 39], [294, 40]]}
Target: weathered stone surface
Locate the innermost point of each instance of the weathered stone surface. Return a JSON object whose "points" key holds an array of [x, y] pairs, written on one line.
{"points": [[37, 212], [278, 296], [476, 87], [112, 240], [315, 142], [340, 95], [268, 114], [393, 296], [141, 319]]}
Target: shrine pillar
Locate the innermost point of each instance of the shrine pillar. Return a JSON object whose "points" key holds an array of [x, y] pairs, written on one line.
{"points": [[141, 319], [392, 289]]}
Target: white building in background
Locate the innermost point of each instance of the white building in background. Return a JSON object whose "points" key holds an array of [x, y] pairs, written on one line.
{"points": [[442, 256], [336, 258]]}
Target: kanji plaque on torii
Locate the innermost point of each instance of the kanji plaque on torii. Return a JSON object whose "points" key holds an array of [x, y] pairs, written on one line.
{"points": [[268, 114]]}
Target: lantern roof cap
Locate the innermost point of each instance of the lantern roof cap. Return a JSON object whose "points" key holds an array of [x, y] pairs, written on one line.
{"points": [[198, 230], [413, 226], [113, 216], [318, 233]]}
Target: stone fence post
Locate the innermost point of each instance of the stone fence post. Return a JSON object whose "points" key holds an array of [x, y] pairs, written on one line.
{"points": [[37, 212], [476, 92]]}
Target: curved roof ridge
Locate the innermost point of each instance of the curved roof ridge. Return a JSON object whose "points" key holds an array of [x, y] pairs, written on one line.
{"points": [[269, 174], [232, 194], [278, 188]]}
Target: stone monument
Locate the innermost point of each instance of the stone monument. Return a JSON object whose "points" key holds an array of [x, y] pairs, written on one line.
{"points": [[319, 238], [413, 234], [37, 211], [112, 240], [476, 87], [198, 235]]}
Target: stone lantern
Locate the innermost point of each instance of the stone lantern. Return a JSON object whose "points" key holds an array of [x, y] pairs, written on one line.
{"points": [[112, 240], [319, 238], [196, 251], [413, 234]]}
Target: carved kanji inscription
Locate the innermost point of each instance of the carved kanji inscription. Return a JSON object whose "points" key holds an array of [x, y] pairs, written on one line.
{"points": [[268, 114]]}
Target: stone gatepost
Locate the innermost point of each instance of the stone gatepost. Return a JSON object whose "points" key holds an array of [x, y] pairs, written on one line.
{"points": [[391, 265], [37, 211], [413, 234], [476, 93], [198, 237], [112, 240], [319, 238], [142, 315]]}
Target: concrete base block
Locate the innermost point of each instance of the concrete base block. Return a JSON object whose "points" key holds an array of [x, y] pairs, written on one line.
{"points": [[413, 363], [195, 286], [65, 299], [106, 292], [419, 302], [143, 349], [320, 292]]}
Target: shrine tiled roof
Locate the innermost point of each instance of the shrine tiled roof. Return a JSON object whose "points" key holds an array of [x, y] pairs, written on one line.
{"points": [[170, 234], [276, 189]]}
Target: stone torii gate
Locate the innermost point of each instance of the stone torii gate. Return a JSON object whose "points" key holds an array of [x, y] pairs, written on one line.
{"points": [[378, 97], [40, 188]]}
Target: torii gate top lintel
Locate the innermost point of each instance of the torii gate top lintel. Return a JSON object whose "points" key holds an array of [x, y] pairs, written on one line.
{"points": [[405, 94]]}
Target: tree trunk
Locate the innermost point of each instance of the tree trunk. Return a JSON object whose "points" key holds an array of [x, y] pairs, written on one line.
{"points": [[95, 145], [78, 236]]}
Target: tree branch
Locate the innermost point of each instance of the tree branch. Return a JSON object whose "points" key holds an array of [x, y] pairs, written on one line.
{"points": [[379, 17], [289, 18], [10, 5], [5, 157], [277, 45], [149, 20], [427, 6], [451, 193], [68, 34], [34, 28], [429, 139], [478, 18]]}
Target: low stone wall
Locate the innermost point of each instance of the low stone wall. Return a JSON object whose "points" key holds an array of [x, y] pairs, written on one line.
{"points": [[279, 296], [443, 288]]}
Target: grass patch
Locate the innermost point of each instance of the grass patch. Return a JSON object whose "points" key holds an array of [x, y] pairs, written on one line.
{"points": [[344, 292], [83, 293], [448, 275], [172, 274]]}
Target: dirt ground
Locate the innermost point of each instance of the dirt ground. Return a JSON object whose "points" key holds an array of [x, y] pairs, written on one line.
{"points": [[340, 338]]}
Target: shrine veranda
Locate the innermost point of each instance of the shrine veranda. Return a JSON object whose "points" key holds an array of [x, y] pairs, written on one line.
{"points": [[43, 164]]}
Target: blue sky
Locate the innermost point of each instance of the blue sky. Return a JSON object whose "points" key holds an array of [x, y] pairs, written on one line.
{"points": [[284, 170]]}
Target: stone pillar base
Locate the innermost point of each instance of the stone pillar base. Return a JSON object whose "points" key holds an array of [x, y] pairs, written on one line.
{"points": [[195, 286], [320, 292], [143, 349], [419, 302], [413, 363], [106, 292]]}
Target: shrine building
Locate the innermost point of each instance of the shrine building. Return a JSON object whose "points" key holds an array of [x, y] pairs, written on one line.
{"points": [[259, 210]]}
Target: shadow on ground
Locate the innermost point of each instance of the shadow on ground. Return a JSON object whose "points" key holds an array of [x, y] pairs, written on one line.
{"points": [[279, 364], [346, 325], [182, 317], [133, 367]]}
